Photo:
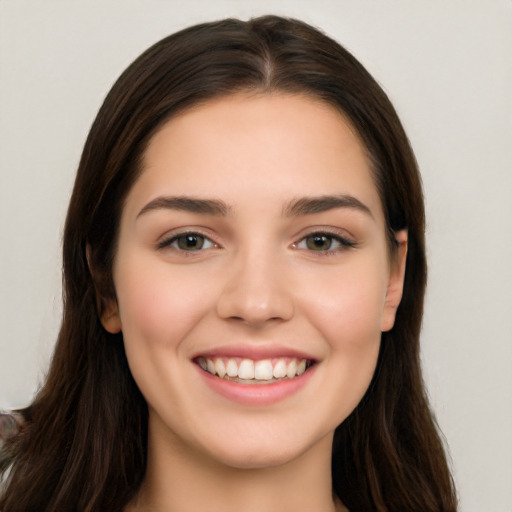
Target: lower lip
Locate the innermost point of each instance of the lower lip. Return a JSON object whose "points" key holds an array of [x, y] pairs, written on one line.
{"points": [[256, 394]]}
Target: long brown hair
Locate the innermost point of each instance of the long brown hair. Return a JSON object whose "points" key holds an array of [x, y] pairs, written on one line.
{"points": [[83, 445]]}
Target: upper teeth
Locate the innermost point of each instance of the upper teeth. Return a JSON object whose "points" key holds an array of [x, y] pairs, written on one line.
{"points": [[248, 369]]}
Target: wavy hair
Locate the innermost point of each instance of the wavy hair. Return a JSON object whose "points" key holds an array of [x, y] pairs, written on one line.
{"points": [[83, 443]]}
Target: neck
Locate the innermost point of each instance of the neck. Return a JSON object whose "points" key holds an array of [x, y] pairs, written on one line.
{"points": [[185, 481]]}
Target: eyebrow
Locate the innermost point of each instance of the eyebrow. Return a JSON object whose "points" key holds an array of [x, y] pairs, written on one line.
{"points": [[310, 205], [295, 208], [187, 204]]}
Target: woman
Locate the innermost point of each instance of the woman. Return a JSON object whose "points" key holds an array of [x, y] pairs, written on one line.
{"points": [[244, 272]]}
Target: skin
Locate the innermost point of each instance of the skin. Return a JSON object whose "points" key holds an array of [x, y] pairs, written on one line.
{"points": [[256, 282]]}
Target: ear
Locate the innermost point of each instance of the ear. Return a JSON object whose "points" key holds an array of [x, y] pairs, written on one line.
{"points": [[107, 308], [109, 317], [396, 282]]}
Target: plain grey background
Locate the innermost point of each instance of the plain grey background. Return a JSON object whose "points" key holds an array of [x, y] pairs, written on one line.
{"points": [[447, 67]]}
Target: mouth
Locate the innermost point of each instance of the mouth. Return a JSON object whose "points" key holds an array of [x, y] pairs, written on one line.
{"points": [[255, 371]]}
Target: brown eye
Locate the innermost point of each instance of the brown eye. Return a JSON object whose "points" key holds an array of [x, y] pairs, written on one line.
{"points": [[190, 242], [322, 242], [187, 242], [319, 242]]}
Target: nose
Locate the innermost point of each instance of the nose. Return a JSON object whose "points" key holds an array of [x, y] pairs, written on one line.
{"points": [[256, 290]]}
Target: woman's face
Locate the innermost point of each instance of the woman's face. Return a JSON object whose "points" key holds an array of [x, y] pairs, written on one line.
{"points": [[253, 279]]}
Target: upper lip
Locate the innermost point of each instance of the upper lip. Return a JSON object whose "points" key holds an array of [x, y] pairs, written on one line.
{"points": [[254, 352]]}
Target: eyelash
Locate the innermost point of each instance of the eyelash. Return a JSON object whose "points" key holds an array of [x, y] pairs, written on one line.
{"points": [[343, 242], [174, 239]]}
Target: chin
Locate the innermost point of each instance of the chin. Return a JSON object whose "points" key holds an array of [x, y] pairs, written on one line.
{"points": [[261, 458], [267, 450]]}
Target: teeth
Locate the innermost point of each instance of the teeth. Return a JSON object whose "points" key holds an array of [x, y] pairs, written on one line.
{"points": [[232, 368], [279, 369], [263, 370], [292, 369], [247, 369], [220, 369]]}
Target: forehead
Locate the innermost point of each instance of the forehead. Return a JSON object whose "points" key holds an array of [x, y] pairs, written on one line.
{"points": [[269, 146]]}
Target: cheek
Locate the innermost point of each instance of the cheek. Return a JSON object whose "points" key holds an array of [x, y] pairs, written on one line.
{"points": [[157, 306], [347, 313], [158, 310], [349, 305]]}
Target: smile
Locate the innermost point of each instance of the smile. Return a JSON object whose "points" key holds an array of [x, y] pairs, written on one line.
{"points": [[249, 371]]}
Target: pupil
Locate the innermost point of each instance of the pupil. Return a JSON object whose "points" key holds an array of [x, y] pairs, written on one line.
{"points": [[319, 242], [190, 242]]}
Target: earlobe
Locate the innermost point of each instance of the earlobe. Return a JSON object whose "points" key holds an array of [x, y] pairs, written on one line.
{"points": [[107, 309], [110, 317], [396, 282]]}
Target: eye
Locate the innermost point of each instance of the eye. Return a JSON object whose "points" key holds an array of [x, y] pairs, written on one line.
{"points": [[324, 242], [187, 242]]}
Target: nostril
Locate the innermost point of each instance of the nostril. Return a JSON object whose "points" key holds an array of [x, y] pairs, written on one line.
{"points": [[255, 295]]}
